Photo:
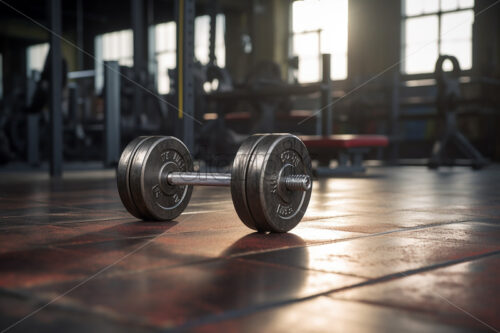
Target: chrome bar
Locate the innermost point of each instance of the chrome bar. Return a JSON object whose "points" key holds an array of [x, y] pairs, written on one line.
{"points": [[195, 178], [292, 182]]}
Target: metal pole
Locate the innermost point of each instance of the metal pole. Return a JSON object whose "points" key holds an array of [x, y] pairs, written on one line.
{"points": [[291, 182], [111, 112], [139, 48], [185, 58], [56, 129], [212, 34], [79, 33], [33, 144], [326, 97], [33, 139], [395, 117]]}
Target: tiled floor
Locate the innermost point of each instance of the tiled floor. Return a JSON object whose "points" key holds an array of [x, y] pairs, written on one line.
{"points": [[400, 249]]}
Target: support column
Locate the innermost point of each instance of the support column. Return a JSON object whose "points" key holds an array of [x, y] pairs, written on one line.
{"points": [[56, 126], [112, 113], [212, 35], [395, 105], [140, 48], [185, 57], [326, 96], [79, 34]]}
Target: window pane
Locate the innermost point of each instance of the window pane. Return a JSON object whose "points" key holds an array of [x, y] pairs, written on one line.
{"points": [[457, 26], [220, 48], [165, 61], [36, 55], [126, 41], [420, 58], [334, 27], [462, 50], [202, 39], [108, 47], [201, 53], [303, 13], [117, 45], [126, 62], [326, 23], [413, 7], [160, 39], [306, 44], [421, 29], [421, 49], [449, 5], [308, 69], [165, 35], [339, 66], [466, 3], [430, 6], [201, 31]]}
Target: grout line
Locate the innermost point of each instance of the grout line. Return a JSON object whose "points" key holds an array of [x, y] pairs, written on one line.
{"points": [[257, 308], [242, 312], [78, 308], [207, 260]]}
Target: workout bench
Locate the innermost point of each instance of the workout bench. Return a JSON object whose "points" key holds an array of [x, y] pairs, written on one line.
{"points": [[349, 149]]}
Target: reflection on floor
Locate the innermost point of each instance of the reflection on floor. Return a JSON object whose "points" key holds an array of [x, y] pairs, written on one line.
{"points": [[400, 249]]}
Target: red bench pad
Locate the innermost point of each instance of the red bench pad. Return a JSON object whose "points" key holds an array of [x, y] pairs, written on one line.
{"points": [[345, 141], [294, 114]]}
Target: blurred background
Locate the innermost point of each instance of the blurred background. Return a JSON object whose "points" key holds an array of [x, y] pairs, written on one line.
{"points": [[80, 79]]}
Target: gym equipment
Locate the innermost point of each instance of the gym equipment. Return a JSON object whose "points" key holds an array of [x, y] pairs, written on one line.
{"points": [[270, 180], [349, 149], [447, 105]]}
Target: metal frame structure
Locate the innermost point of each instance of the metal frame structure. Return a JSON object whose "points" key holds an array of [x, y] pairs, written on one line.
{"points": [[112, 139], [56, 126], [326, 97], [185, 15]]}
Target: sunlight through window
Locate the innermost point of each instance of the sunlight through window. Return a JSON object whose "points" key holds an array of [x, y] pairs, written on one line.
{"points": [[319, 26], [35, 57], [431, 28], [112, 46], [165, 37]]}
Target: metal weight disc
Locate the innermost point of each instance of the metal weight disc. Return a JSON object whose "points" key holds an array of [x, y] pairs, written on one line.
{"points": [[272, 206], [238, 179], [153, 160], [122, 175]]}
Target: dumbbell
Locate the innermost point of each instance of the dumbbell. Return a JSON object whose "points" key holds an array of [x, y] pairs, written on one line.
{"points": [[270, 180]]}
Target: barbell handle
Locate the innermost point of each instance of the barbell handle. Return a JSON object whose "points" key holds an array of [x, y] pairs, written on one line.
{"points": [[292, 182], [198, 178]]}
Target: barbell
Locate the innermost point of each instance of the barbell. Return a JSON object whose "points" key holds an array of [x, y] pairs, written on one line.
{"points": [[270, 180]]}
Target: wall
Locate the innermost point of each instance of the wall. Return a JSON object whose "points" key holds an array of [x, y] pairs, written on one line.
{"points": [[374, 37]]}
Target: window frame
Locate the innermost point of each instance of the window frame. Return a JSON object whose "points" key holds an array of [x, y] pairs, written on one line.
{"points": [[317, 32], [42, 50], [439, 13], [220, 46], [99, 56]]}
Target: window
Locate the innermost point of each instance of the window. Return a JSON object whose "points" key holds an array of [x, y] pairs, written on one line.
{"points": [[202, 35], [165, 35], [432, 27], [35, 57], [118, 46], [319, 26], [165, 38]]}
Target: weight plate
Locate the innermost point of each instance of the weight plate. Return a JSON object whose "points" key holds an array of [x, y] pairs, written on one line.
{"points": [[239, 176], [272, 206], [153, 160], [122, 175]]}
